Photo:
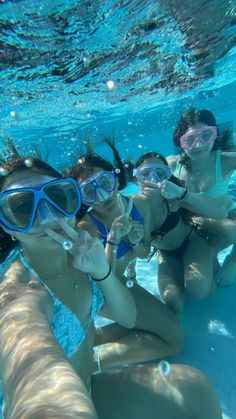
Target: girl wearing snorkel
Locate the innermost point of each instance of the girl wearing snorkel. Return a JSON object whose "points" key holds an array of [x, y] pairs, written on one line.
{"points": [[205, 164]]}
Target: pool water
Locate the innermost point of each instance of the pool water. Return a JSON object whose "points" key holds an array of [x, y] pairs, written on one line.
{"points": [[74, 71]]}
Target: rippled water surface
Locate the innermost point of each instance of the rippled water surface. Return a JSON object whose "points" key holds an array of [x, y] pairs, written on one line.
{"points": [[69, 63]]}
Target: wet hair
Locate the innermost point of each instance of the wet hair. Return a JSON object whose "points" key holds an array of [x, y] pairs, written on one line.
{"points": [[11, 161], [90, 160], [119, 163], [192, 117], [129, 168], [152, 154]]}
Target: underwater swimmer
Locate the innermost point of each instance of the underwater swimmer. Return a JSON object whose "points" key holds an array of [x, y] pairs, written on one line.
{"points": [[116, 220], [206, 164], [184, 257]]}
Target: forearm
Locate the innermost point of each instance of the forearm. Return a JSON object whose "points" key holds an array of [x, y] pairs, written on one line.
{"points": [[204, 206], [36, 373], [141, 249], [111, 253], [119, 302]]}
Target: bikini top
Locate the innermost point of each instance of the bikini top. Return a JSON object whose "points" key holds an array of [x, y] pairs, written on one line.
{"points": [[123, 246], [67, 328], [171, 221], [220, 187]]}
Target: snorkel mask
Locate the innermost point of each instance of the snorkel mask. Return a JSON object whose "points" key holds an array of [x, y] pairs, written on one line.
{"points": [[152, 172], [198, 138], [43, 198], [99, 188]]}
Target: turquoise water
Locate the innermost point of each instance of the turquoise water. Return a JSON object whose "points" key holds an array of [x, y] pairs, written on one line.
{"points": [[80, 69]]}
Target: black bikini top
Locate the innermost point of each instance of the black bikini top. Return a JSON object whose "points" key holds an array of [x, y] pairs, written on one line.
{"points": [[169, 224]]}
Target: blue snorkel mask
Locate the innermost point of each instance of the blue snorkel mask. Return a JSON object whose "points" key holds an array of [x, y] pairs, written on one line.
{"points": [[99, 188], [19, 206]]}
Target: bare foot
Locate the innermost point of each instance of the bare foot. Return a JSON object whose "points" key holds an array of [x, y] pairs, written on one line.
{"points": [[227, 273]]}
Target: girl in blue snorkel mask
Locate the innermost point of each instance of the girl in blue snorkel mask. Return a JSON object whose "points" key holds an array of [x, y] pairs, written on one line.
{"points": [[124, 232]]}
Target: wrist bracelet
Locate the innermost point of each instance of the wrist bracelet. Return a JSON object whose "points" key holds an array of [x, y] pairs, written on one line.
{"points": [[134, 244], [184, 195], [112, 243], [105, 277]]}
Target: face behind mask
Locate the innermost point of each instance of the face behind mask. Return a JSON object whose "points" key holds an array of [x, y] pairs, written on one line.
{"points": [[102, 195]]}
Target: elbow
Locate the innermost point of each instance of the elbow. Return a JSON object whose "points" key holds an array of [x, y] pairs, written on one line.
{"points": [[130, 319], [223, 213]]}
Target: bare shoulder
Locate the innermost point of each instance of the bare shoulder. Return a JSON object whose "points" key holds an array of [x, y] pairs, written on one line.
{"points": [[228, 162], [87, 224]]}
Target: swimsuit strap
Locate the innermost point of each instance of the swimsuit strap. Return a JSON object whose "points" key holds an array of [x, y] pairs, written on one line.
{"points": [[101, 227], [218, 168], [34, 273], [171, 221], [66, 326]]}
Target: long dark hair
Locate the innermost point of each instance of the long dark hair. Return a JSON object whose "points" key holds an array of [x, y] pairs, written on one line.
{"points": [[152, 154], [118, 162], [191, 117]]}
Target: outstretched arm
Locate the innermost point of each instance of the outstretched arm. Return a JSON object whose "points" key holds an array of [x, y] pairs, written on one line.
{"points": [[200, 204], [35, 371]]}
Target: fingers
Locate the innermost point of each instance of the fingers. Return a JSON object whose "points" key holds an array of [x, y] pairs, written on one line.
{"points": [[59, 238], [120, 204], [136, 225], [68, 229], [152, 184], [129, 207]]}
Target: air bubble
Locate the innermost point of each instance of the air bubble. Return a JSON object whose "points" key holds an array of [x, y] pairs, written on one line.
{"points": [[67, 245], [164, 368], [28, 162], [14, 115], [129, 283], [110, 84]]}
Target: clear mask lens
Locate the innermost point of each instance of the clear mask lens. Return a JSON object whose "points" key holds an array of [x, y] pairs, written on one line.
{"points": [[152, 173], [99, 188], [198, 138]]}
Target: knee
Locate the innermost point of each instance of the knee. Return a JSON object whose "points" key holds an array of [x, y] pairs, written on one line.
{"points": [[198, 288], [173, 300], [197, 391]]}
